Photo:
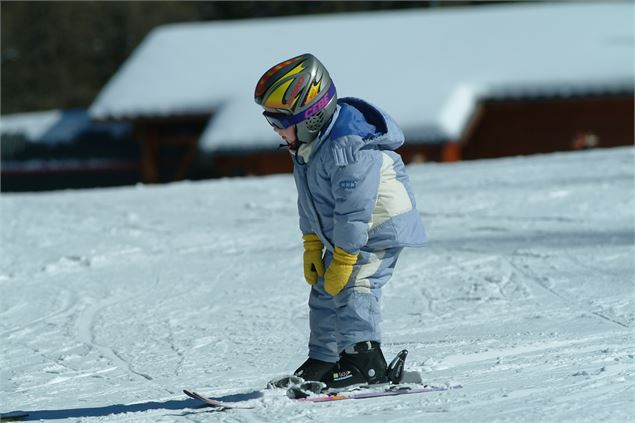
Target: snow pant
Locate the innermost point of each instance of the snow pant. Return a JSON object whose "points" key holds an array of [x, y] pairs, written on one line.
{"points": [[354, 314]]}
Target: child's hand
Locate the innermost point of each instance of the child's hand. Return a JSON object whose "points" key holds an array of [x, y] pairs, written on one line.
{"points": [[339, 271], [313, 264]]}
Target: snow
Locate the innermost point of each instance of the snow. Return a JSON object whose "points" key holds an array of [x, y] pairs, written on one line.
{"points": [[427, 68], [113, 300], [32, 125], [56, 126]]}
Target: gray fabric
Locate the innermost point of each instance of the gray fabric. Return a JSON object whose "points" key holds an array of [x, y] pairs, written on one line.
{"points": [[353, 315]]}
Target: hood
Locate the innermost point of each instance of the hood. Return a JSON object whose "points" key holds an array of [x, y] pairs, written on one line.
{"points": [[359, 118]]}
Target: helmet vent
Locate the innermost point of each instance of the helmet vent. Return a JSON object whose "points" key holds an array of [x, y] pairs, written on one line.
{"points": [[315, 122]]}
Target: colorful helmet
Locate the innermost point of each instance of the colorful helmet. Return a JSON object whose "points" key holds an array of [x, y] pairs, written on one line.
{"points": [[300, 92]]}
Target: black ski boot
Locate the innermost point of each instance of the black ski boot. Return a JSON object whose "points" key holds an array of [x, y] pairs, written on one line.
{"points": [[307, 379], [361, 364], [315, 370]]}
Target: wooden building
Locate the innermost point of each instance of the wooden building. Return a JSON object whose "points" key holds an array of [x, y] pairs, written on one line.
{"points": [[463, 83], [499, 127], [61, 149], [169, 146], [521, 126]]}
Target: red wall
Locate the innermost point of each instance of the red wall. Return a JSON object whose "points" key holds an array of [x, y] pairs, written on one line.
{"points": [[509, 128]]}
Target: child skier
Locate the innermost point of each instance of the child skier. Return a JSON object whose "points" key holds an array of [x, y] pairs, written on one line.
{"points": [[357, 211]]}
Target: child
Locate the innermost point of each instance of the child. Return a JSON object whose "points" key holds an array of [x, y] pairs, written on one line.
{"points": [[357, 211]]}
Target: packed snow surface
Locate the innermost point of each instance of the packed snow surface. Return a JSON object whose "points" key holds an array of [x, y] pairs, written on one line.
{"points": [[114, 300]]}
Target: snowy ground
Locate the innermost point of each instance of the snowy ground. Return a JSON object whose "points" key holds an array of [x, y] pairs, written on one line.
{"points": [[114, 300]]}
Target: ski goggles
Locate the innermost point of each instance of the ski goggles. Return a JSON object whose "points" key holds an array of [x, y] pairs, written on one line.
{"points": [[283, 121]]}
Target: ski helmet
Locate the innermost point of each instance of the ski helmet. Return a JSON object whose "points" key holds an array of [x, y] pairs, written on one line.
{"points": [[300, 92]]}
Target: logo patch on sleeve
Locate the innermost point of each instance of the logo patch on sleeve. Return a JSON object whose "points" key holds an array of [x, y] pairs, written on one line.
{"points": [[348, 185]]}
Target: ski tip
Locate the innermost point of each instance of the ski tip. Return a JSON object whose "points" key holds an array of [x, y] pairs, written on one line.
{"points": [[221, 405]]}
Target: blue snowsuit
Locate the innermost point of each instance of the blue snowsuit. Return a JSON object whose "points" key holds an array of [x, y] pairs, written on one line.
{"points": [[353, 192]]}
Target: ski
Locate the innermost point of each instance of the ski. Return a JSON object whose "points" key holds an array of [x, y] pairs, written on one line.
{"points": [[364, 394], [397, 381], [214, 402], [352, 394]]}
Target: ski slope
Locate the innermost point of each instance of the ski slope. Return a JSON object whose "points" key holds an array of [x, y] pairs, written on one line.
{"points": [[113, 300]]}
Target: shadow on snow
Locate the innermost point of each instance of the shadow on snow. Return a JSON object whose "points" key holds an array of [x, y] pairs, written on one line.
{"points": [[108, 410]]}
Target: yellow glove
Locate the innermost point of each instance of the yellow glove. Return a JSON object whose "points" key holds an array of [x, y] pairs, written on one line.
{"points": [[313, 264], [339, 272]]}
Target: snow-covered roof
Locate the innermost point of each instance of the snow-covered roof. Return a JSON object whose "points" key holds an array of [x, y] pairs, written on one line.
{"points": [[33, 126], [427, 67], [54, 126]]}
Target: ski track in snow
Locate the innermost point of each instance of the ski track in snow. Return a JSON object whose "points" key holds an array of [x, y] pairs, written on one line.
{"points": [[114, 300]]}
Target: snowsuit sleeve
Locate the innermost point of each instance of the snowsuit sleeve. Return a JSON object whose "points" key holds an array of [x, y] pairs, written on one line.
{"points": [[300, 182], [355, 186], [305, 226]]}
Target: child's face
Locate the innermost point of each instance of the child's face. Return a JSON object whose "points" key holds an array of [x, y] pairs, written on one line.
{"points": [[287, 134]]}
